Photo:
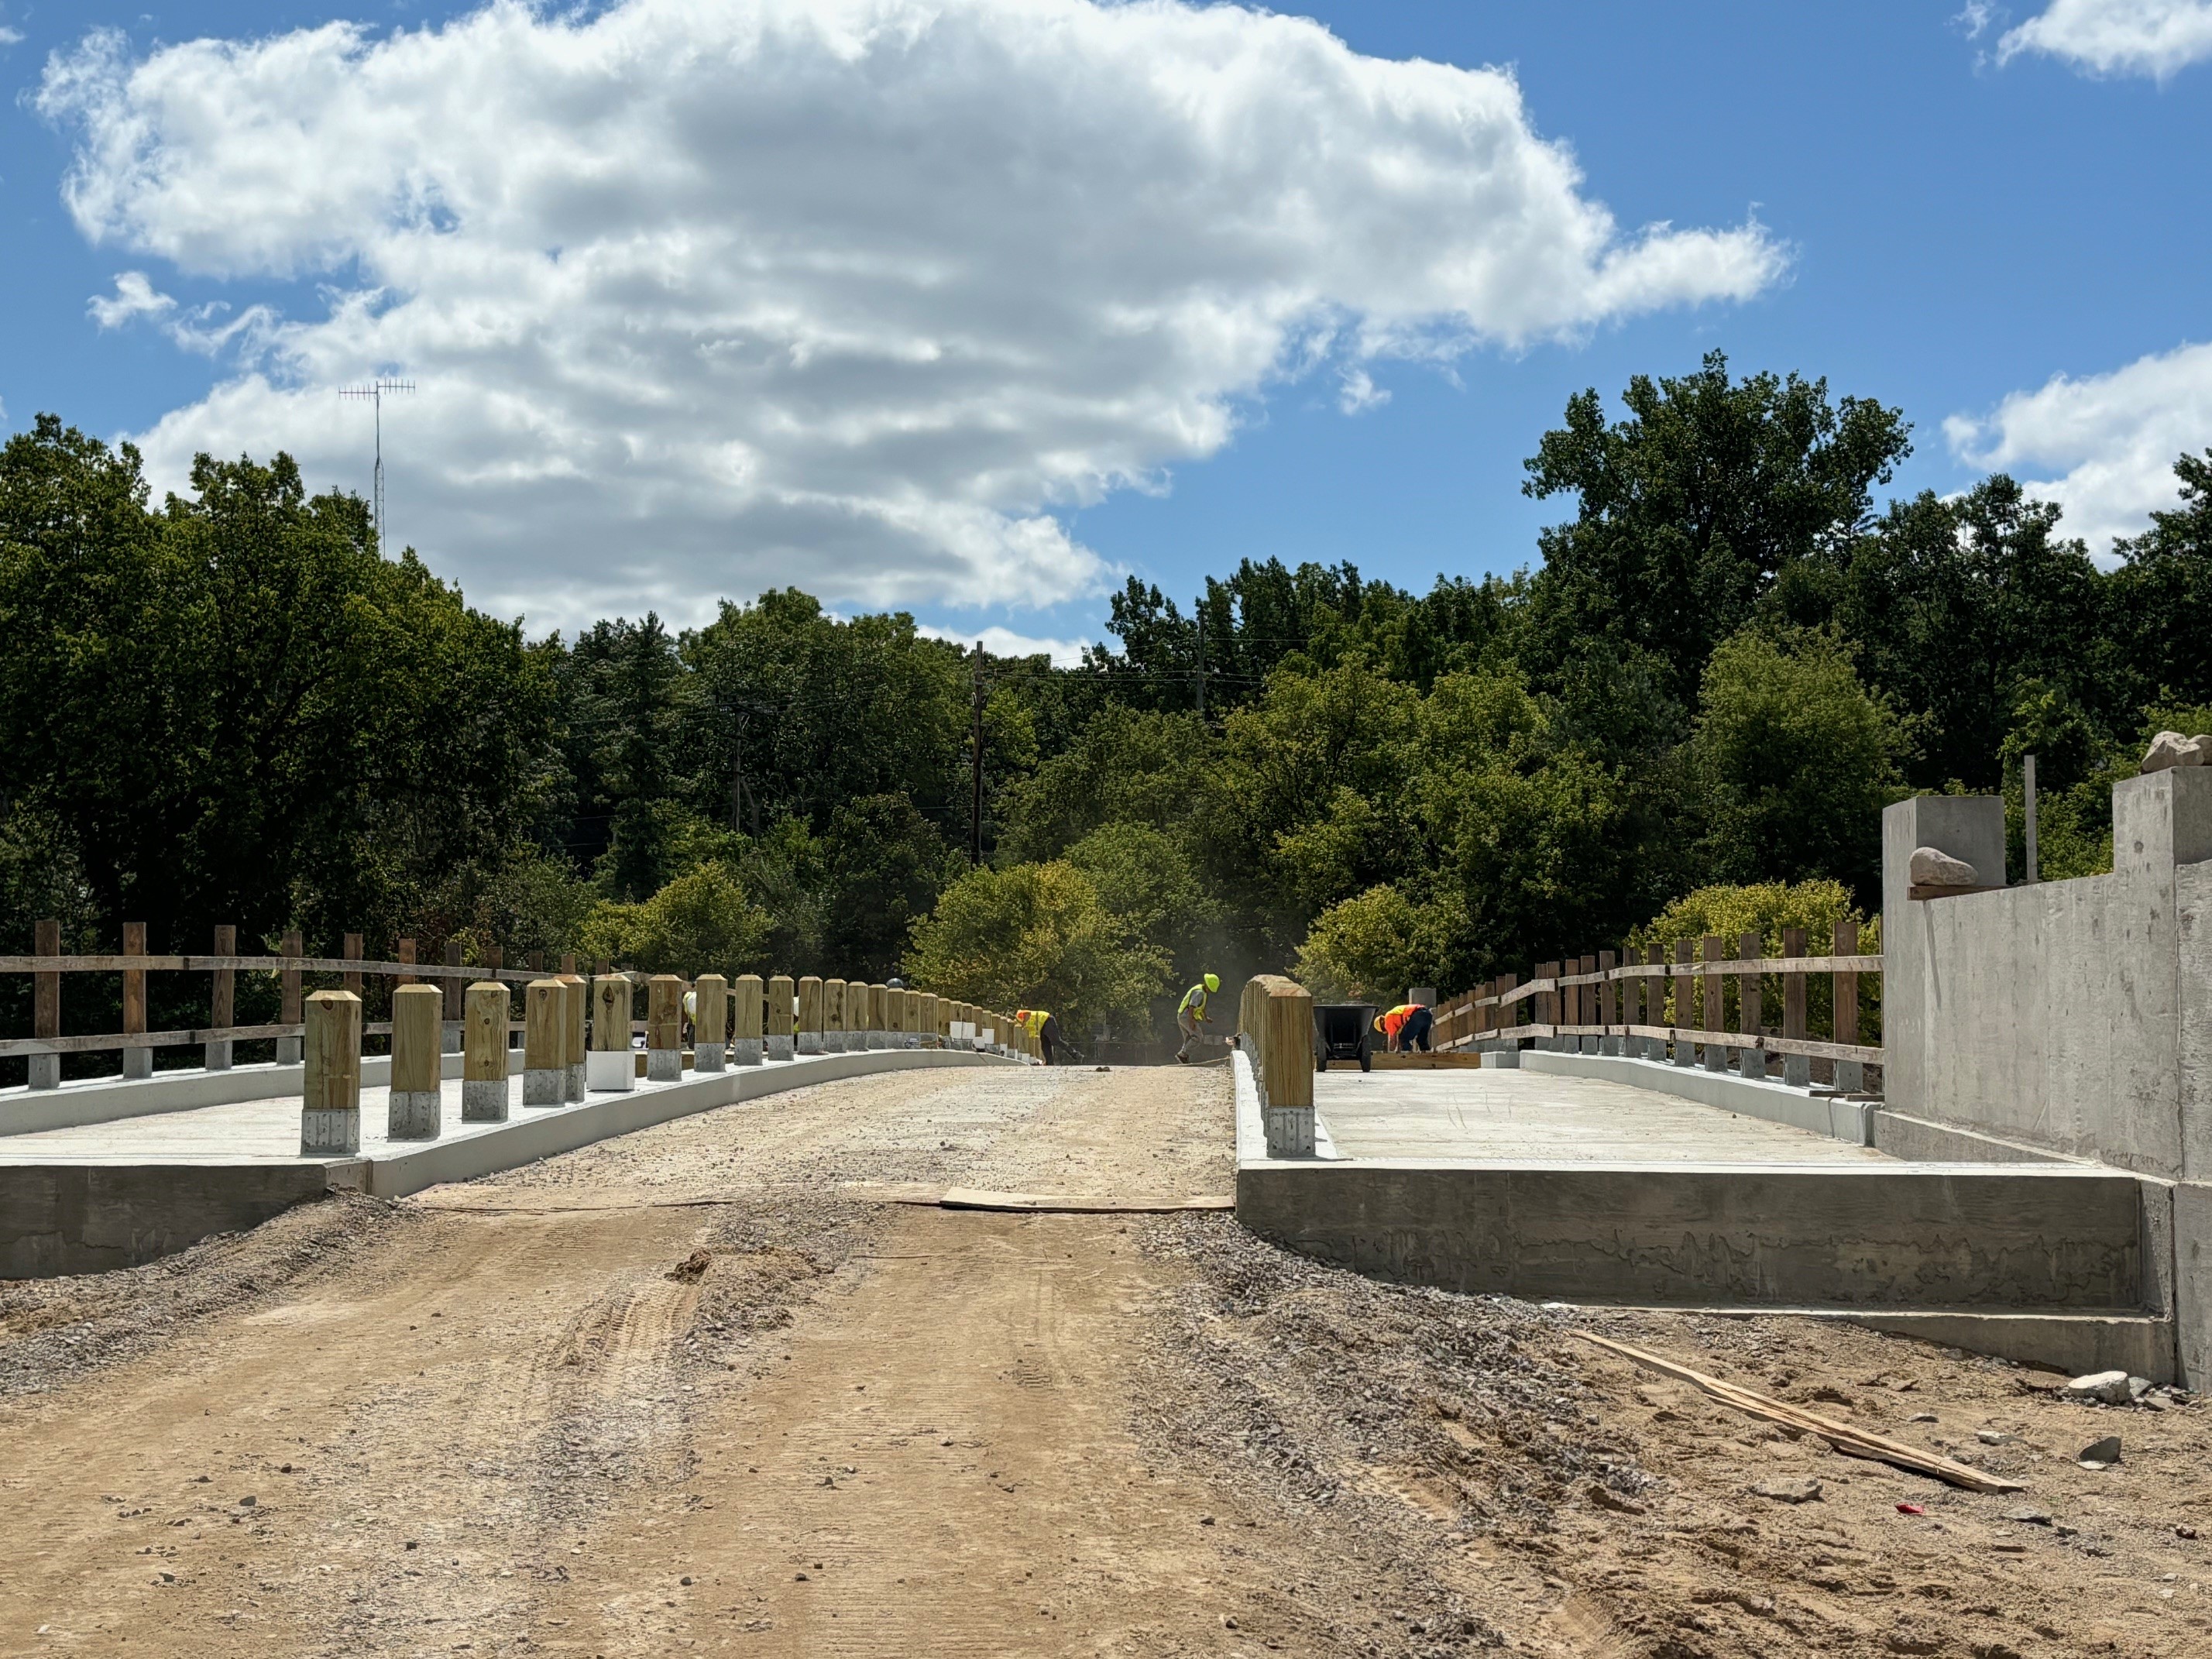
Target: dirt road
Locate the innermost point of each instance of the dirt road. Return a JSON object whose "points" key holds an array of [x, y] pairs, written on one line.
{"points": [[703, 1388]]}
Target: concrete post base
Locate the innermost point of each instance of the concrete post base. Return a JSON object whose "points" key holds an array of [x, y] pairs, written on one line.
{"points": [[609, 1072], [45, 1071], [708, 1057], [138, 1062], [1289, 1131], [1508, 1059], [1851, 1076], [484, 1100], [545, 1086], [1717, 1057], [664, 1066], [1686, 1052], [745, 1051], [575, 1083], [413, 1115], [216, 1057], [879, 1040], [1797, 1071], [809, 1042], [451, 1036], [329, 1135], [780, 1048], [290, 1050]]}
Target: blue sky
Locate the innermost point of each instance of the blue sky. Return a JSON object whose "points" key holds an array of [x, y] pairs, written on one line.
{"points": [[1945, 231]]}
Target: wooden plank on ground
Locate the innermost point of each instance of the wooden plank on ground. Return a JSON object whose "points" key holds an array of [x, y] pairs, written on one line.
{"points": [[1851, 1442]]}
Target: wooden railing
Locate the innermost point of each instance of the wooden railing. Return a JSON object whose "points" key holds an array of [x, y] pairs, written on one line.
{"points": [[1680, 998], [289, 966]]}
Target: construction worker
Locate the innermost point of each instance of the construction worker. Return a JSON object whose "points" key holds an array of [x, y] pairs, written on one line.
{"points": [[1190, 1013], [1406, 1026], [1043, 1027]]}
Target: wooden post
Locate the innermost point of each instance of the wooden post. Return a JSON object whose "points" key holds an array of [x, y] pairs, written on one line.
{"points": [[545, 1043], [1654, 1001], [495, 959], [748, 1008], [329, 1099], [1512, 1013], [46, 1004], [833, 1016], [290, 984], [1289, 1071], [1751, 1006], [1547, 1010], [223, 1001], [1608, 1005], [483, 1053], [1586, 1005], [782, 1014], [917, 1034], [808, 1030], [1714, 1019], [352, 953], [1850, 1074], [894, 1016], [138, 1062], [664, 1028], [607, 1066], [710, 1022], [415, 1106], [575, 1016], [1685, 1004], [1796, 1069], [403, 951], [455, 985]]}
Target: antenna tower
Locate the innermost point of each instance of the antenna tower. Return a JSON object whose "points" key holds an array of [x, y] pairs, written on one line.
{"points": [[375, 391]]}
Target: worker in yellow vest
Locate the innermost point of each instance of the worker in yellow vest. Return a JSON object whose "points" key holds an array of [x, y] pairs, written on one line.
{"points": [[1043, 1027], [1191, 1015]]}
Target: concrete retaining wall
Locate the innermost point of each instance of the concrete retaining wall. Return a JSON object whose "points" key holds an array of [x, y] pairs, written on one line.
{"points": [[2039, 1236], [2070, 1016], [76, 1219], [1776, 1103]]}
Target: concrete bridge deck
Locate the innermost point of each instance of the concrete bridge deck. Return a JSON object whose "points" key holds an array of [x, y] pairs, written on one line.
{"points": [[1529, 1114]]}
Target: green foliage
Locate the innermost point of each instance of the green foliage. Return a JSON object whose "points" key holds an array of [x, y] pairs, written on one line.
{"points": [[700, 923], [1036, 935], [1370, 948], [1796, 760]]}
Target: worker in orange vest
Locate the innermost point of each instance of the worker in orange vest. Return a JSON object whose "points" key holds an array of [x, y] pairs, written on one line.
{"points": [[1406, 1026]]}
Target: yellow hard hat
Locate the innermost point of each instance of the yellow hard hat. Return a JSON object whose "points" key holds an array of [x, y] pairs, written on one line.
{"points": [[1213, 981]]}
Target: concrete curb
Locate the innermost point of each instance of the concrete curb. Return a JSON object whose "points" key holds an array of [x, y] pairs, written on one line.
{"points": [[602, 1116], [1848, 1121]]}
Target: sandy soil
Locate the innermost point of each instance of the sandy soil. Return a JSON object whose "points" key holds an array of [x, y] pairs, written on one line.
{"points": [[701, 1389]]}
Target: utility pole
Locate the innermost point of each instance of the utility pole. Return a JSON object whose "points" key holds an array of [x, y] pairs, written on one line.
{"points": [[1201, 662], [374, 391], [975, 755]]}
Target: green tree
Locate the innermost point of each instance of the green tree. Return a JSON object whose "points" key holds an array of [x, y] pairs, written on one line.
{"points": [[1036, 935], [702, 922], [1796, 759], [1689, 509]]}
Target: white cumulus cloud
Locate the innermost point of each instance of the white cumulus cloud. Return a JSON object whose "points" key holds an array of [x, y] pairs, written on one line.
{"points": [[1001, 641], [2107, 443], [704, 296], [2118, 37]]}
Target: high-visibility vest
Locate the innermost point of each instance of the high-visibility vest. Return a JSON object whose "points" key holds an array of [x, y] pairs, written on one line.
{"points": [[1395, 1021], [1194, 1000]]}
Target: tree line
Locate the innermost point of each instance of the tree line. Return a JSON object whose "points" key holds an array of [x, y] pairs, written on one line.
{"points": [[1725, 658]]}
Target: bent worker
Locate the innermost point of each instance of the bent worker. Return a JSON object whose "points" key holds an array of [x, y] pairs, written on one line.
{"points": [[1406, 1026], [1044, 1028], [1190, 1013]]}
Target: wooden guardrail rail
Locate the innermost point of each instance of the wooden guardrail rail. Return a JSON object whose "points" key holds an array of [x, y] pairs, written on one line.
{"points": [[949, 1023], [1670, 1004]]}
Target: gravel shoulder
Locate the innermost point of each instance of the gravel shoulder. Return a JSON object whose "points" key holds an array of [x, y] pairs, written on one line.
{"points": [[703, 1389]]}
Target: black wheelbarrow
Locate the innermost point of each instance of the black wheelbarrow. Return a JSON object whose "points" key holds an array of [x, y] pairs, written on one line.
{"points": [[1343, 1030]]}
